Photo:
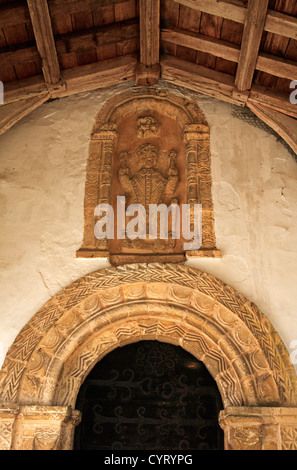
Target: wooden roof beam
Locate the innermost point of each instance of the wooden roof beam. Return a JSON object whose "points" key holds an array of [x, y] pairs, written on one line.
{"points": [[250, 46], [76, 80], [13, 112], [148, 70], [222, 86], [42, 27], [273, 65], [235, 10]]}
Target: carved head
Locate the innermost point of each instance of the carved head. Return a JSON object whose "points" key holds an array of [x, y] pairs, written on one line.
{"points": [[148, 126], [147, 155]]}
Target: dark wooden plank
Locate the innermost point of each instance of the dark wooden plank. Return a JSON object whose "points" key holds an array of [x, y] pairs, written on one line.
{"points": [[86, 57], [61, 24], [97, 37], [3, 42], [68, 61], [107, 51], [169, 13], [16, 34], [82, 20], [103, 15], [232, 32], [211, 25], [16, 13], [7, 74], [131, 46], [125, 10], [189, 19], [26, 70], [75, 42], [291, 52], [226, 66]]}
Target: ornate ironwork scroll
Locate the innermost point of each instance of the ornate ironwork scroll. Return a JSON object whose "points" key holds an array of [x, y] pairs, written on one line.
{"points": [[149, 396]]}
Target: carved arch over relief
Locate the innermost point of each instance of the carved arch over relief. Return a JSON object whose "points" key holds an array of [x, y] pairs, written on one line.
{"points": [[52, 355], [128, 128]]}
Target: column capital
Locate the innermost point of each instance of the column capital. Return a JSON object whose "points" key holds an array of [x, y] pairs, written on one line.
{"points": [[259, 428]]}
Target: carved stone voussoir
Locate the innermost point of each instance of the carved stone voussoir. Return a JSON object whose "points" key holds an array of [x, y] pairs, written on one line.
{"points": [[165, 302]]}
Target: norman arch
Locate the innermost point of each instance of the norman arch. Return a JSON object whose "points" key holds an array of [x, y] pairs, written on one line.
{"points": [[54, 353]]}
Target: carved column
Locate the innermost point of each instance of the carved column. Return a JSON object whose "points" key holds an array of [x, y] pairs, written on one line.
{"points": [[37, 427], [98, 187], [8, 416], [259, 428], [197, 139]]}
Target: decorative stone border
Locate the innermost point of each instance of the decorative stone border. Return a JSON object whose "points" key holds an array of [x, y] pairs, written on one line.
{"points": [[57, 349], [195, 134]]}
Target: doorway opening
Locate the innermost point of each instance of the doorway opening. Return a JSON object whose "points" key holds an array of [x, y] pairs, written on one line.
{"points": [[149, 396]]}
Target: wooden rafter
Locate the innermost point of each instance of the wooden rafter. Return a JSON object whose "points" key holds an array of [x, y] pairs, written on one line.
{"points": [[76, 80], [277, 23], [127, 30], [283, 125], [148, 70], [273, 65], [13, 112], [252, 35], [222, 86], [42, 27]]}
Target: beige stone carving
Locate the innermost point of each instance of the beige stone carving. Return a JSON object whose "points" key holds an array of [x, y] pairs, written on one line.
{"points": [[149, 186], [147, 126], [177, 128], [51, 357], [289, 437], [257, 428]]}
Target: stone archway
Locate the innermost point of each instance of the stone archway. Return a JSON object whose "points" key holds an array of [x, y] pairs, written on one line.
{"points": [[53, 354]]}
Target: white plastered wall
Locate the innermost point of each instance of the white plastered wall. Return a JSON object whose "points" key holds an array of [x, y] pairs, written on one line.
{"points": [[42, 177]]}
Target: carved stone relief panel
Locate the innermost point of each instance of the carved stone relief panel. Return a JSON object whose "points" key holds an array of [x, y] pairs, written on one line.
{"points": [[148, 170], [148, 148], [257, 428]]}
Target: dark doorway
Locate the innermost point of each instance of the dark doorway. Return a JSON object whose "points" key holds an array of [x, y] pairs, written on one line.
{"points": [[149, 396]]}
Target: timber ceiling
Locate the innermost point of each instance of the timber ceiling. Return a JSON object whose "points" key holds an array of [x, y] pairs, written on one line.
{"points": [[239, 51]]}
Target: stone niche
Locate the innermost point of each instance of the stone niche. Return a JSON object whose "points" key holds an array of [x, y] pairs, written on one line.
{"points": [[150, 147]]}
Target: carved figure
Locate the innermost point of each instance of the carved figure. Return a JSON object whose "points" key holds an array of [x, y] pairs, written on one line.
{"points": [[147, 126], [148, 185]]}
